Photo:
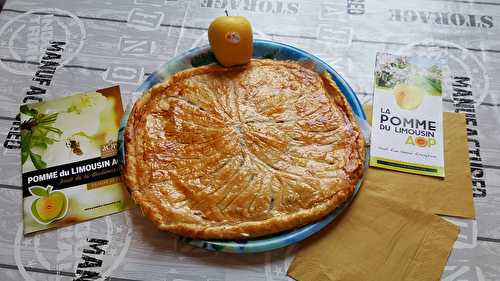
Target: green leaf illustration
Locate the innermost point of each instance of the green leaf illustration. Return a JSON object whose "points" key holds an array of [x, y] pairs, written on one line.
{"points": [[39, 191], [430, 86], [41, 141], [52, 129], [74, 109], [436, 87], [34, 133], [28, 111], [37, 161], [24, 156], [25, 145], [47, 118], [37, 142]]}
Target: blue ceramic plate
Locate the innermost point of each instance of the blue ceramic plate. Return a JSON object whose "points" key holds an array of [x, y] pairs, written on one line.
{"points": [[262, 49]]}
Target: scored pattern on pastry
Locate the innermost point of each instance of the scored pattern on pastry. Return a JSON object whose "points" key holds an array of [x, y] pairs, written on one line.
{"points": [[242, 152]]}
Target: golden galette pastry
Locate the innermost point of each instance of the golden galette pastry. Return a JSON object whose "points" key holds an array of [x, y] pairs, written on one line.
{"points": [[242, 152]]}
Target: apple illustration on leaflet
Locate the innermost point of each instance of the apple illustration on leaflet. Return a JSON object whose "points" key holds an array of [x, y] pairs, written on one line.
{"points": [[231, 40], [408, 97], [49, 206]]}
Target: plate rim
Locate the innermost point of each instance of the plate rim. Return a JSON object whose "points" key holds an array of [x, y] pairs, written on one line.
{"points": [[282, 239]]}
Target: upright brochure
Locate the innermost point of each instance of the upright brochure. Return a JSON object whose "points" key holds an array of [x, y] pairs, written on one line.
{"points": [[70, 170], [407, 121]]}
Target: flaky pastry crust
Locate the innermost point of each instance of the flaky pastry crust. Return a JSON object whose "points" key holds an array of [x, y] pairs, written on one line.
{"points": [[242, 152]]}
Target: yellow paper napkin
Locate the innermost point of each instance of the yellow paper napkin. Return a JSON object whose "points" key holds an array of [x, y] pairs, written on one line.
{"points": [[451, 196], [377, 239], [391, 232]]}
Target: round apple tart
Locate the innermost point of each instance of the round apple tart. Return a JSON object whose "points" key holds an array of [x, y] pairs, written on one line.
{"points": [[242, 152]]}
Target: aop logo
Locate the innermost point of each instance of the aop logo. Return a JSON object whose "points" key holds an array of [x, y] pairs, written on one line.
{"points": [[29, 33], [90, 250]]}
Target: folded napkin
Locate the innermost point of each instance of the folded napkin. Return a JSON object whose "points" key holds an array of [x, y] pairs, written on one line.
{"points": [[377, 239], [451, 196], [390, 231]]}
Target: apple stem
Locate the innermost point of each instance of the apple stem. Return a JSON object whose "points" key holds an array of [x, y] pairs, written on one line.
{"points": [[226, 13]]}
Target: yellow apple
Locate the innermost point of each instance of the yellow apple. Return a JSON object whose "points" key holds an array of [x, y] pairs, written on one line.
{"points": [[231, 40], [408, 97], [49, 207]]}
